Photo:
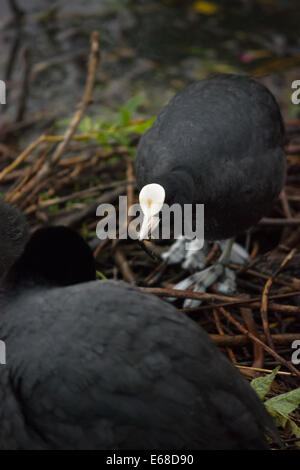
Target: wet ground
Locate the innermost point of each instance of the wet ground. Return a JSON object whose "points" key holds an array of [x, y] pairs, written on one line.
{"points": [[154, 47]]}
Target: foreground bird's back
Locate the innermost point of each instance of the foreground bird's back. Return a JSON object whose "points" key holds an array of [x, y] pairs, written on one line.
{"points": [[102, 365]]}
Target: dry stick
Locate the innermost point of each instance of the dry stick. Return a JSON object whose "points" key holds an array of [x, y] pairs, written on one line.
{"points": [[262, 370], [232, 301], [273, 353], [124, 267], [75, 219], [149, 252], [221, 333], [82, 194], [226, 340], [21, 157], [27, 184], [211, 254], [156, 274], [86, 98], [287, 309], [100, 247], [258, 351], [56, 138], [291, 282], [292, 222], [264, 300]]}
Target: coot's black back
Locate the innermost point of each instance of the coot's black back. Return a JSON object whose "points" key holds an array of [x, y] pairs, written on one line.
{"points": [[102, 365]]}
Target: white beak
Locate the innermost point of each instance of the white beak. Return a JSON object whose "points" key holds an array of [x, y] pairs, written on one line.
{"points": [[152, 197]]}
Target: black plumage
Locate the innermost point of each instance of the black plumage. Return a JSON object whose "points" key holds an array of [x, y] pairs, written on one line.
{"points": [[218, 142], [103, 365]]}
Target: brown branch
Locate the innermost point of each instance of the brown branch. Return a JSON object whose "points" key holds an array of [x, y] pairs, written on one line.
{"points": [[264, 300], [258, 351], [273, 307], [231, 301], [86, 98], [21, 157], [273, 353], [124, 267], [221, 333], [241, 340], [293, 222], [74, 219]]}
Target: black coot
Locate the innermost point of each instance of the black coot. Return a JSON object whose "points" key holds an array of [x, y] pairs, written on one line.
{"points": [[219, 142], [102, 365]]}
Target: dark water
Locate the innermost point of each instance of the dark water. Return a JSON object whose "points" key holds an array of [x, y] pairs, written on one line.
{"points": [[148, 46]]}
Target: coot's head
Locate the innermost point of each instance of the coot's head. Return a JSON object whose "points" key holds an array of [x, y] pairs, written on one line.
{"points": [[54, 256], [176, 187], [51, 256]]}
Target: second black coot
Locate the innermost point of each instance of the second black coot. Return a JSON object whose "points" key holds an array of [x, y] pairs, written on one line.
{"points": [[218, 142], [102, 365]]}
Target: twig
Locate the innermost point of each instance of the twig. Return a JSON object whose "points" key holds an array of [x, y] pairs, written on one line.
{"points": [[148, 251], [86, 98], [21, 157], [221, 333], [74, 219], [258, 351], [87, 95], [241, 340], [293, 222], [273, 353], [264, 300], [257, 369], [185, 294], [84, 193], [18, 191], [124, 267]]}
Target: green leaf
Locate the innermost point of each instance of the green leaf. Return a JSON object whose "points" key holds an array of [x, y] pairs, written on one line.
{"points": [[102, 138], [101, 275], [86, 125], [133, 103], [294, 430], [262, 385], [142, 127], [285, 403], [125, 117], [53, 209], [281, 406]]}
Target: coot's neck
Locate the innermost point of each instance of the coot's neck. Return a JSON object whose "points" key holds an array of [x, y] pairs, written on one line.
{"points": [[179, 186]]}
